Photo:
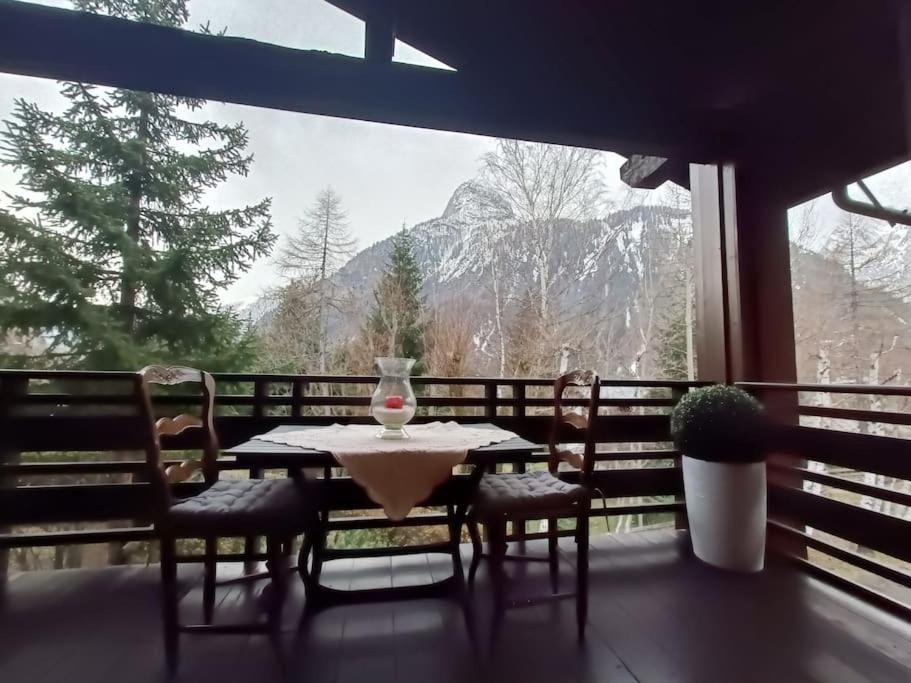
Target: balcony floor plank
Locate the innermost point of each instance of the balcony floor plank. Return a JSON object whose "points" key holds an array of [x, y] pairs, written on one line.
{"points": [[656, 615]]}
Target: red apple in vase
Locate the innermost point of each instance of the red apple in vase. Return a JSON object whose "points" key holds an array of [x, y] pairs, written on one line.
{"points": [[394, 402]]}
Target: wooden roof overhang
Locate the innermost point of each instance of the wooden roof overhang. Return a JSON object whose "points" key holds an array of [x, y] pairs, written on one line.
{"points": [[805, 95]]}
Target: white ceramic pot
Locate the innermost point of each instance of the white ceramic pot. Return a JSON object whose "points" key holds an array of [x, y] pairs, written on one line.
{"points": [[726, 506]]}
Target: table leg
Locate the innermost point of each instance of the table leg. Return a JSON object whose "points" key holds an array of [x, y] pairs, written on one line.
{"points": [[314, 541], [457, 516]]}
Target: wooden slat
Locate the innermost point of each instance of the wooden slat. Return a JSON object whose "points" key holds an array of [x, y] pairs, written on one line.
{"points": [[880, 492], [860, 561], [341, 553], [77, 537], [870, 529], [622, 483], [879, 416], [383, 522], [862, 452], [75, 433], [866, 389], [677, 507], [868, 595], [651, 454], [33, 469], [639, 509], [287, 378], [82, 502], [607, 402]]}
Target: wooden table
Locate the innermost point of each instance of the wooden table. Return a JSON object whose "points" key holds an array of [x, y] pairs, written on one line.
{"points": [[316, 472]]}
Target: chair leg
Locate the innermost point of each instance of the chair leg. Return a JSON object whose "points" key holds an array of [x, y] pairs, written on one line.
{"points": [[169, 602], [582, 572], [251, 546], [477, 548], [208, 582], [553, 557], [279, 585], [496, 536], [319, 547]]}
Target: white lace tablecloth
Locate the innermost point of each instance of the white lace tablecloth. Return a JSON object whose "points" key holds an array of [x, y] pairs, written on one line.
{"points": [[395, 474]]}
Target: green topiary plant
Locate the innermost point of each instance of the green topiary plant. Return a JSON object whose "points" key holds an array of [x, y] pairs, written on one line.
{"points": [[719, 423]]}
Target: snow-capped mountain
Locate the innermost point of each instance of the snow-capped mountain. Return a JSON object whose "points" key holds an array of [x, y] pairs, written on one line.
{"points": [[616, 275], [456, 251]]}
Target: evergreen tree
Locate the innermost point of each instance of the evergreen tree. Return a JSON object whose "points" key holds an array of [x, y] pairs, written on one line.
{"points": [[397, 321], [109, 253]]}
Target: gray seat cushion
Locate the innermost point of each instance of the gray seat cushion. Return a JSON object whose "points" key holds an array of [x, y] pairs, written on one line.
{"points": [[241, 506], [529, 492]]}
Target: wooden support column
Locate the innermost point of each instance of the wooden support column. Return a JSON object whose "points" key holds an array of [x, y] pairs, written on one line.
{"points": [[711, 290], [379, 38], [904, 27], [745, 314], [745, 317]]}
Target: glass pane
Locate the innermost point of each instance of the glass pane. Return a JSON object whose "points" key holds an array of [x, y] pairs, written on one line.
{"points": [[851, 286]]}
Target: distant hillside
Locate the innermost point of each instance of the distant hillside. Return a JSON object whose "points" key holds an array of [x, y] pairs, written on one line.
{"points": [[619, 286], [598, 264]]}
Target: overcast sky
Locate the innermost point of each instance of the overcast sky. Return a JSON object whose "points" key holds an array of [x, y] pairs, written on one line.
{"points": [[386, 175]]}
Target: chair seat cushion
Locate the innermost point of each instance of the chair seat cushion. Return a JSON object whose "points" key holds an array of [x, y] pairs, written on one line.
{"points": [[530, 492], [241, 506]]}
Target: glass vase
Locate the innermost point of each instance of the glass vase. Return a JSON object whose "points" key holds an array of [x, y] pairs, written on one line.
{"points": [[393, 403]]}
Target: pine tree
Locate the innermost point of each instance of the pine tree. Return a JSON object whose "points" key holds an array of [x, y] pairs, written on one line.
{"points": [[109, 253], [397, 321], [312, 255]]}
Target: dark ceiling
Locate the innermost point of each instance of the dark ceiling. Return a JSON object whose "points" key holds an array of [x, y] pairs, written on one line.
{"points": [[810, 92], [803, 94]]}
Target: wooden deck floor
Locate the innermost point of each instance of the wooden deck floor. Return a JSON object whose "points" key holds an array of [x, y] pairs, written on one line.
{"points": [[656, 615]]}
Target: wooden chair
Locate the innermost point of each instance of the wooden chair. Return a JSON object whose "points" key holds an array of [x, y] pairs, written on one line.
{"points": [[522, 497], [272, 508]]}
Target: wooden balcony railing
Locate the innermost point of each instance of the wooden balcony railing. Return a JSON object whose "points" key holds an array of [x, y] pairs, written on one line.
{"points": [[45, 409], [844, 494]]}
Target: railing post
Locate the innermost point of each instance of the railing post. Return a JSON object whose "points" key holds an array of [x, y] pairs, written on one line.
{"points": [[297, 393], [518, 400], [681, 521], [260, 392], [10, 389], [490, 395]]}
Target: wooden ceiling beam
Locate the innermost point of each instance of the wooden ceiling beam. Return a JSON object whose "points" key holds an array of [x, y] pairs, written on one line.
{"points": [[379, 38], [648, 173], [76, 46]]}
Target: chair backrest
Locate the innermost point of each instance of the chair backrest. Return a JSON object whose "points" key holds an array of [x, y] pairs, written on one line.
{"points": [[202, 424], [570, 427]]}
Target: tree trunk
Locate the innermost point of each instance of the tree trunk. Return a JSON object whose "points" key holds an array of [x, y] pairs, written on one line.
{"points": [[128, 278]]}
